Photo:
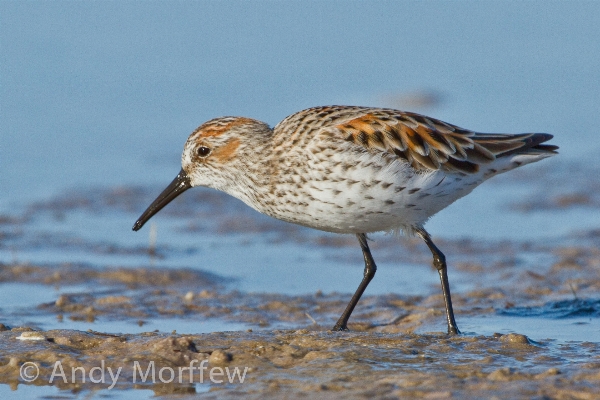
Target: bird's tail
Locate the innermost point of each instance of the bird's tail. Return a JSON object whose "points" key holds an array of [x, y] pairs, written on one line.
{"points": [[503, 145], [512, 151]]}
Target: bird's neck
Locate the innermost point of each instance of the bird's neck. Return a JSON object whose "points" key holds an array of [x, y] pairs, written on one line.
{"points": [[252, 176]]}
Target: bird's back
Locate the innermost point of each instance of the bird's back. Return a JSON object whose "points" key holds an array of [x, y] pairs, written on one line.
{"points": [[425, 143]]}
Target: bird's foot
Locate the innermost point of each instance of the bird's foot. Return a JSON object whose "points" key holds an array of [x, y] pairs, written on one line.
{"points": [[339, 328], [453, 330]]}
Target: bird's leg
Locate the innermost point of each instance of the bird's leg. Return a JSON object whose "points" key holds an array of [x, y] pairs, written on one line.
{"points": [[369, 273], [439, 262]]}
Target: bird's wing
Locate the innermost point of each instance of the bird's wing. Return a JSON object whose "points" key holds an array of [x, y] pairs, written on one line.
{"points": [[427, 143]]}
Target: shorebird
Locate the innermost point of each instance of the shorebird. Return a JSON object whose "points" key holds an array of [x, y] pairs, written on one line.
{"points": [[352, 170]]}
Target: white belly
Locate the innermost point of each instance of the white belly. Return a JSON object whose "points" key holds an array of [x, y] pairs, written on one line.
{"points": [[369, 193], [371, 196]]}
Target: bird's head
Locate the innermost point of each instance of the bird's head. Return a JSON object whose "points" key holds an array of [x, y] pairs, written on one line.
{"points": [[215, 155]]}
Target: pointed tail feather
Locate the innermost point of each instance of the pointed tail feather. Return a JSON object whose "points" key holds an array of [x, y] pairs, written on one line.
{"points": [[527, 143]]}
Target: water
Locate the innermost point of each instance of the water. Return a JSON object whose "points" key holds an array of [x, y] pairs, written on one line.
{"points": [[32, 392], [561, 330]]}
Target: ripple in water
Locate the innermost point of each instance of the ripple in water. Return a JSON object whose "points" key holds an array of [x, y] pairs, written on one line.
{"points": [[558, 309]]}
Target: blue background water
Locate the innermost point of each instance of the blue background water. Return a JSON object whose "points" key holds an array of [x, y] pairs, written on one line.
{"points": [[104, 94], [97, 93]]}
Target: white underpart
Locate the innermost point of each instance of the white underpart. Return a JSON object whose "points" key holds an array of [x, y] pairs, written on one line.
{"points": [[333, 202]]}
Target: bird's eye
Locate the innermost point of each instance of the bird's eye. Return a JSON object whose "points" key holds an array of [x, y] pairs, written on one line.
{"points": [[203, 151]]}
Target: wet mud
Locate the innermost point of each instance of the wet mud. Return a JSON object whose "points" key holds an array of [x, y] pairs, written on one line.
{"points": [[301, 363], [396, 346]]}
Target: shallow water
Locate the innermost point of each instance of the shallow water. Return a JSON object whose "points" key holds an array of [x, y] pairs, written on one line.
{"points": [[98, 99], [561, 330]]}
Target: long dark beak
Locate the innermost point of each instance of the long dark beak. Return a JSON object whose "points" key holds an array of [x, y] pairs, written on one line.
{"points": [[180, 184]]}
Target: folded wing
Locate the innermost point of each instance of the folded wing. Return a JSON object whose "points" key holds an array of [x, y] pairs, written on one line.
{"points": [[430, 144]]}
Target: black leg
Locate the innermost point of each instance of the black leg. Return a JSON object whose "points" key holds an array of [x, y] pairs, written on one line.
{"points": [[370, 269], [439, 262]]}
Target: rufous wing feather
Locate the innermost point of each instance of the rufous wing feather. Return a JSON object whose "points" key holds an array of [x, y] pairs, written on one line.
{"points": [[430, 144]]}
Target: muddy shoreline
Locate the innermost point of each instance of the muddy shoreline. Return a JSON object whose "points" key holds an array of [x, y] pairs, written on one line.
{"points": [[294, 364], [396, 347]]}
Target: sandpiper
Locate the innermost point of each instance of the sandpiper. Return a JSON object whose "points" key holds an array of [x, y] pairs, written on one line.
{"points": [[348, 169]]}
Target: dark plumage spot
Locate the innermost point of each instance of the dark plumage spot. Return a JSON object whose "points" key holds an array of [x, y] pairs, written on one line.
{"points": [[415, 190], [398, 189], [419, 119], [362, 138], [463, 166], [386, 185], [400, 154], [390, 202], [394, 137], [377, 138], [369, 197]]}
